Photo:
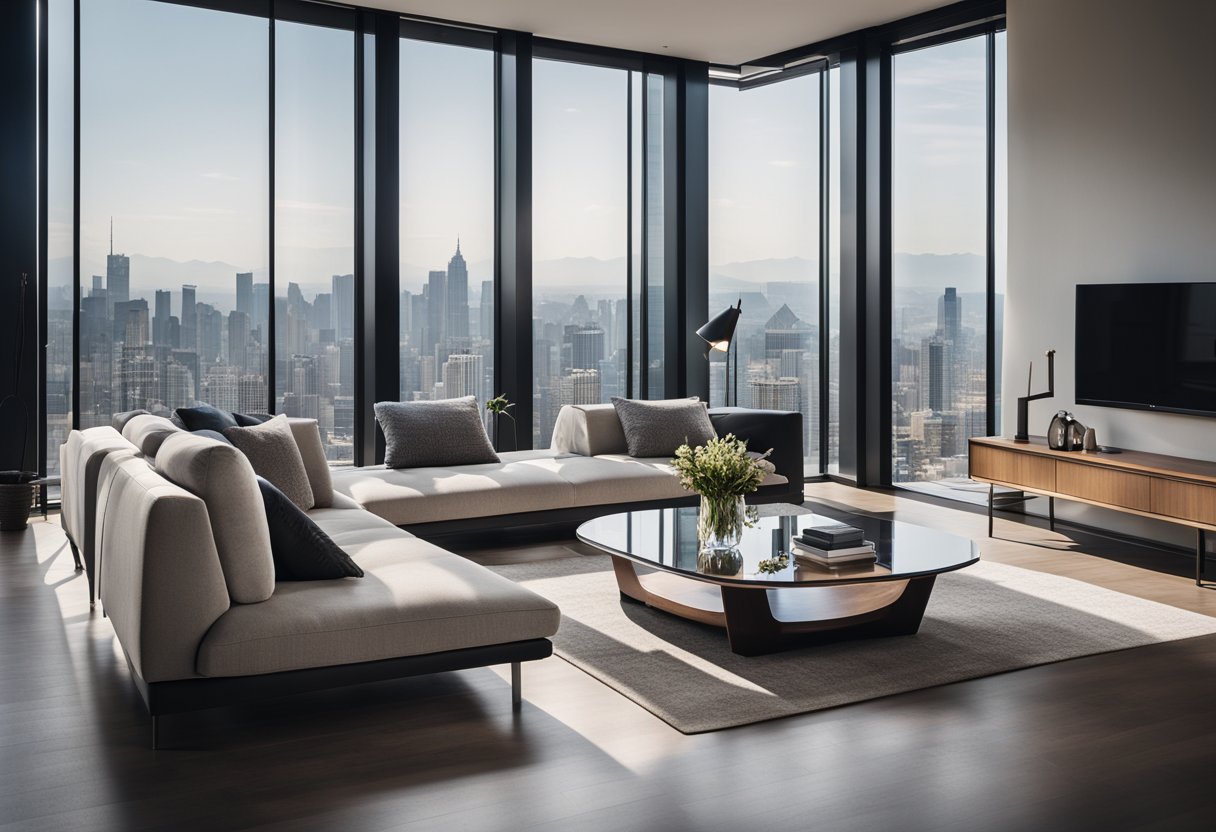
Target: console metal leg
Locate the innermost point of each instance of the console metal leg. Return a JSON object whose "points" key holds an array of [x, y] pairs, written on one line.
{"points": [[517, 696], [1051, 513], [1201, 553], [991, 488]]}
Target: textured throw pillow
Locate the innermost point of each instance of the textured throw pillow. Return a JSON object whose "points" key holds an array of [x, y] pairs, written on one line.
{"points": [[205, 417], [301, 550], [657, 428], [273, 452], [441, 433]]}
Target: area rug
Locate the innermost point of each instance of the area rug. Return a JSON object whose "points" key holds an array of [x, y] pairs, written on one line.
{"points": [[986, 619]]}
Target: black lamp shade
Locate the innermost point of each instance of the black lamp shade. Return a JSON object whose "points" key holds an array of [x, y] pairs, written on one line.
{"points": [[720, 329]]}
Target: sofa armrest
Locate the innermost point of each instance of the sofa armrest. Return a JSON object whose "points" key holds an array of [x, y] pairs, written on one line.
{"points": [[780, 430]]}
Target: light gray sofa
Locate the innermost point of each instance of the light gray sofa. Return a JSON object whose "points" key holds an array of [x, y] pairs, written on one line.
{"points": [[586, 472], [185, 575]]}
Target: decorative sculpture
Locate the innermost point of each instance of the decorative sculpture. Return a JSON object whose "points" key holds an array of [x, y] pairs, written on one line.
{"points": [[1023, 434]]}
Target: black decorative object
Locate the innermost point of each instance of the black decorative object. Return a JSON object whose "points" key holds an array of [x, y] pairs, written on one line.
{"points": [[1065, 433], [16, 486], [719, 332], [1023, 434]]}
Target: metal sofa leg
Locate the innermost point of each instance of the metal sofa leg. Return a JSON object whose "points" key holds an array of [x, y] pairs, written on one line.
{"points": [[76, 555], [516, 686]]}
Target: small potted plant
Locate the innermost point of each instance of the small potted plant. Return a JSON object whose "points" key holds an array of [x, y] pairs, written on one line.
{"points": [[723, 473], [499, 407]]}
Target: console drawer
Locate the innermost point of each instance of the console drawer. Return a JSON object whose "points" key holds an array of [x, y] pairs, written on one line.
{"points": [[1104, 485], [1027, 470], [1185, 500]]}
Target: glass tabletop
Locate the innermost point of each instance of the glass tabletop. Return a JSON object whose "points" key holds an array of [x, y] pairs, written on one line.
{"points": [[667, 539]]}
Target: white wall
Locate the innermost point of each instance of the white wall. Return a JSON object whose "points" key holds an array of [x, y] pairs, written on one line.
{"points": [[1112, 178]]}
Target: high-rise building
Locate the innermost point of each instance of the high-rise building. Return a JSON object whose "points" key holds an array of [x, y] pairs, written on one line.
{"points": [[456, 303], [160, 321], [586, 345], [189, 318], [776, 394], [436, 315], [118, 275], [462, 376], [486, 331], [579, 387], [950, 316], [238, 340], [244, 293], [934, 375], [342, 304]]}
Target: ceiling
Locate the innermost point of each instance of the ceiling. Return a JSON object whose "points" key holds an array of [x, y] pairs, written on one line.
{"points": [[721, 31]]}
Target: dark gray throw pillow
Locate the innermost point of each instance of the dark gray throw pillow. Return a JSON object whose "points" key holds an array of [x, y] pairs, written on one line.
{"points": [[272, 451], [439, 433], [301, 550], [657, 428], [205, 417]]}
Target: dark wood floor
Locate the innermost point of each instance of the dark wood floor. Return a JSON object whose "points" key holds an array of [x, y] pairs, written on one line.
{"points": [[1119, 741]]}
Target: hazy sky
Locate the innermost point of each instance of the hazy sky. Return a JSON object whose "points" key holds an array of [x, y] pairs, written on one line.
{"points": [[174, 146]]}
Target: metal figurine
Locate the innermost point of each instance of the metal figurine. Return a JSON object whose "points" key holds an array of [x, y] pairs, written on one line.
{"points": [[1023, 434]]}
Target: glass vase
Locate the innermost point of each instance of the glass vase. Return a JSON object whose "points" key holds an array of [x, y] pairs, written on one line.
{"points": [[720, 523]]}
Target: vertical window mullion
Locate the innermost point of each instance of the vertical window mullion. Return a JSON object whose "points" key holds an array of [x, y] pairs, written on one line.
{"points": [[271, 323], [990, 258]]}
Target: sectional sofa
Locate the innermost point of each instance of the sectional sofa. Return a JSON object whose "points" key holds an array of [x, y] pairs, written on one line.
{"points": [[170, 528]]}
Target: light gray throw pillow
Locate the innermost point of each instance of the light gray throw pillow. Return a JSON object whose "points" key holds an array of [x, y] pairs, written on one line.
{"points": [[272, 451], [439, 433], [657, 428]]}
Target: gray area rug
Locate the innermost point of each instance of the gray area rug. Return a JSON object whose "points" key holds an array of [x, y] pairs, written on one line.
{"points": [[986, 619]]}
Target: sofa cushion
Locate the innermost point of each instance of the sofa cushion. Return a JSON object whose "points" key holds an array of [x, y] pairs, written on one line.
{"points": [[119, 420], [308, 440], [148, 432], [442, 432], [272, 450], [528, 481], [224, 479], [657, 428], [588, 430], [415, 599], [248, 420], [302, 552]]}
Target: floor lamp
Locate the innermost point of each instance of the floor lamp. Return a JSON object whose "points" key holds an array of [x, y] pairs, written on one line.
{"points": [[719, 333]]}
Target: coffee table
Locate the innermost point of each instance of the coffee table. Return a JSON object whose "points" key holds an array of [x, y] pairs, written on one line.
{"points": [[654, 556]]}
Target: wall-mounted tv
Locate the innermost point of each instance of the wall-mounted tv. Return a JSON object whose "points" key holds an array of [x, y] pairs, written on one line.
{"points": [[1147, 346]]}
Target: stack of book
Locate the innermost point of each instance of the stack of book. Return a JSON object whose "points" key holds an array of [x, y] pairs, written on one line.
{"points": [[832, 544]]}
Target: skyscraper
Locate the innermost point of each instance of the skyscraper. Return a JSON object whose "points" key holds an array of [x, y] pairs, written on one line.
{"points": [[486, 332], [342, 305], [462, 376], [436, 296], [118, 275], [160, 321], [457, 299], [238, 339], [950, 316], [189, 318], [244, 293]]}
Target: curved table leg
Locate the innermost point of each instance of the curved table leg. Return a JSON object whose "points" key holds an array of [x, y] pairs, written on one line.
{"points": [[754, 631]]}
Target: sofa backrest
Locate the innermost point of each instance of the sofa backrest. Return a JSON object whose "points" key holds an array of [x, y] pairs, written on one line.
{"points": [[161, 580], [222, 476], [588, 430], [79, 466], [148, 432]]}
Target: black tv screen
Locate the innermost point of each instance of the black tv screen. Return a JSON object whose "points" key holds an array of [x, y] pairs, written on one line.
{"points": [[1147, 346]]}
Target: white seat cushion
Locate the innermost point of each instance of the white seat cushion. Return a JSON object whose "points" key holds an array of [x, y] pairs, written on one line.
{"points": [[405, 496], [414, 599]]}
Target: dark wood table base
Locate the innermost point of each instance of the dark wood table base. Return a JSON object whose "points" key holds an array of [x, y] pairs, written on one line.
{"points": [[762, 620]]}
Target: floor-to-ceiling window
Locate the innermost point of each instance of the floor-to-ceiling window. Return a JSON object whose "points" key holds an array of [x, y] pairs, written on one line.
{"points": [[174, 178], [765, 207], [940, 218], [598, 241], [447, 222], [314, 112], [60, 209]]}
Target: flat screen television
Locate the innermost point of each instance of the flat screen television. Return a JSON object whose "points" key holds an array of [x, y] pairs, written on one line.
{"points": [[1147, 346]]}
